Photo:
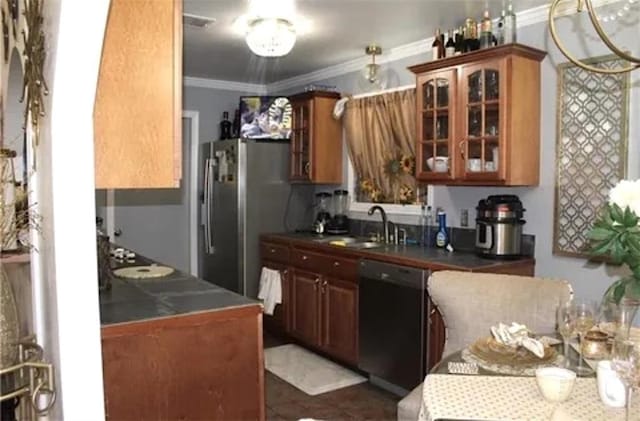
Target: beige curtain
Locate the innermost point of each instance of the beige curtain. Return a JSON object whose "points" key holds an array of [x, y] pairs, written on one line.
{"points": [[380, 133]]}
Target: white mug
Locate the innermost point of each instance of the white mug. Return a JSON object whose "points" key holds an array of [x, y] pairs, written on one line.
{"points": [[610, 387]]}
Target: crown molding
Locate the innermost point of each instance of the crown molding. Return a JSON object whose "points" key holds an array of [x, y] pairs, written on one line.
{"points": [[355, 65], [541, 14], [525, 18], [197, 82]]}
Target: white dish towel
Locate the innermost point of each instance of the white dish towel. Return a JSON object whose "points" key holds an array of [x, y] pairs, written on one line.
{"points": [[270, 289]]}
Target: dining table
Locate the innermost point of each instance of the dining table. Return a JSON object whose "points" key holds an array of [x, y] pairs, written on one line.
{"points": [[457, 390]]}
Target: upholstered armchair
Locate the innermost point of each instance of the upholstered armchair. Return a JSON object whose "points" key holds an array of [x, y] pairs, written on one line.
{"points": [[470, 303]]}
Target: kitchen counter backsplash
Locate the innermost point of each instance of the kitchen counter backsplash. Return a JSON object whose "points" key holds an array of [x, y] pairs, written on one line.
{"points": [[462, 239]]}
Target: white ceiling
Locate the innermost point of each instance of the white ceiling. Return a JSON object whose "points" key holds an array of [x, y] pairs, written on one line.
{"points": [[340, 31]]}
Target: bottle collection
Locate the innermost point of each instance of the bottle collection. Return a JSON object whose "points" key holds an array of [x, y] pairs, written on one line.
{"points": [[230, 130], [476, 35]]}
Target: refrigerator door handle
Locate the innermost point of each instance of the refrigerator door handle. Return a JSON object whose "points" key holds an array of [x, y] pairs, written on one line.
{"points": [[210, 182], [207, 206]]}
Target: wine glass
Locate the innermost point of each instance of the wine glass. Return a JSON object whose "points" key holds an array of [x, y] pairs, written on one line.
{"points": [[585, 320], [625, 354], [566, 320]]}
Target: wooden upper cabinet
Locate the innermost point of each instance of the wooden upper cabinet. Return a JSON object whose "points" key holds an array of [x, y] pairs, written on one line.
{"points": [[138, 109], [316, 139], [478, 118]]}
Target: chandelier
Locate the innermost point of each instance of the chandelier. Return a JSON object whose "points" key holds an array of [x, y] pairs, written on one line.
{"points": [[270, 27], [634, 62], [270, 37]]}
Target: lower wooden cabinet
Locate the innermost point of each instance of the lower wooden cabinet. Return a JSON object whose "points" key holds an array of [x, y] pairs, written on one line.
{"points": [[305, 306], [340, 319], [325, 314]]}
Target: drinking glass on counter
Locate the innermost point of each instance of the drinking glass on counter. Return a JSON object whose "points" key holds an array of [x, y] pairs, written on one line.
{"points": [[585, 320], [566, 316], [625, 354]]}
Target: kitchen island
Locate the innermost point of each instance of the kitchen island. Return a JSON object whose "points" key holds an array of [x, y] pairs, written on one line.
{"points": [[180, 348]]}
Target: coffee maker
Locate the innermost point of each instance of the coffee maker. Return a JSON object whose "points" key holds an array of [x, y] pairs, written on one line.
{"points": [[339, 224], [323, 217]]}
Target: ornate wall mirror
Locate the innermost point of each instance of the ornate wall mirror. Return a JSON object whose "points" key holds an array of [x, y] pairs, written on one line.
{"points": [[14, 134]]}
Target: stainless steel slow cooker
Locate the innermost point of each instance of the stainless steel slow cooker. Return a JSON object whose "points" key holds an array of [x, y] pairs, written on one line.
{"points": [[499, 227]]}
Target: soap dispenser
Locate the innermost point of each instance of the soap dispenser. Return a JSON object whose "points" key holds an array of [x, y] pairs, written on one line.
{"points": [[442, 237]]}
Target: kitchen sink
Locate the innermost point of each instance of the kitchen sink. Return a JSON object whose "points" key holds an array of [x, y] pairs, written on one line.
{"points": [[364, 245], [345, 240]]}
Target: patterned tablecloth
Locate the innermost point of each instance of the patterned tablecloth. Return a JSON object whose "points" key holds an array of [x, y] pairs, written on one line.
{"points": [[478, 397]]}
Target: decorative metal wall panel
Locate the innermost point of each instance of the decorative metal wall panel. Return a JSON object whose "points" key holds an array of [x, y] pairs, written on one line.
{"points": [[591, 149]]}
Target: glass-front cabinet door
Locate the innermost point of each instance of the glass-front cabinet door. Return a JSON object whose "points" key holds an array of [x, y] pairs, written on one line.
{"points": [[300, 162], [435, 98], [483, 117]]}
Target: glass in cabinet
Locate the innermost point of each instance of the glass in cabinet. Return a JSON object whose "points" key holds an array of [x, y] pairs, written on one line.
{"points": [[482, 106], [300, 142], [436, 116]]}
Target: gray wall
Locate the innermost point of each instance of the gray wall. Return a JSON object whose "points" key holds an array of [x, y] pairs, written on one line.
{"points": [[589, 281], [155, 222], [211, 103]]}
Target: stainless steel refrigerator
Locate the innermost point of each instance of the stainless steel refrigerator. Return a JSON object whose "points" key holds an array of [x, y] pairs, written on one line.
{"points": [[245, 192]]}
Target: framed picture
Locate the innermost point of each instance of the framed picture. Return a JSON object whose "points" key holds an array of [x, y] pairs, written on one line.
{"points": [[591, 149], [265, 117]]}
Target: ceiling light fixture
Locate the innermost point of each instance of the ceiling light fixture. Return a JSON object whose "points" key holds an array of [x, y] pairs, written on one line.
{"points": [[634, 62], [371, 69], [270, 37], [270, 27]]}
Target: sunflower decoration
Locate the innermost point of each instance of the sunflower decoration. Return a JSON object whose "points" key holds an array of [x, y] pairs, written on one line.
{"points": [[393, 167], [407, 194], [376, 195], [408, 164], [366, 186]]}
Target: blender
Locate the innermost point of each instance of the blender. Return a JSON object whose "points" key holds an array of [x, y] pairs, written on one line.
{"points": [[323, 216], [339, 224]]}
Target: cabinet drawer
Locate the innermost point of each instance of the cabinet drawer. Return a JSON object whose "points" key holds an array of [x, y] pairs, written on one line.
{"points": [[309, 260], [274, 252], [341, 268]]}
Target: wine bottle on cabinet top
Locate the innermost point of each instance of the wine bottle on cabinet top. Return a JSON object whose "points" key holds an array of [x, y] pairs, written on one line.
{"points": [[450, 46], [510, 26], [437, 46], [225, 127]]}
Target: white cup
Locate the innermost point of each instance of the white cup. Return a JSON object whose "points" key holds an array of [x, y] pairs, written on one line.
{"points": [[474, 165], [610, 387], [555, 383]]}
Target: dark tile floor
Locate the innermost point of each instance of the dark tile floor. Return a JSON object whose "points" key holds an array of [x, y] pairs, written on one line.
{"points": [[360, 402]]}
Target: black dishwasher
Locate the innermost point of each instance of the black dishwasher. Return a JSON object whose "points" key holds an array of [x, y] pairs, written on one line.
{"points": [[392, 325]]}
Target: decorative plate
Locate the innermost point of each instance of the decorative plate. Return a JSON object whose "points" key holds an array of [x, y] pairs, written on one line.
{"points": [[494, 356]]}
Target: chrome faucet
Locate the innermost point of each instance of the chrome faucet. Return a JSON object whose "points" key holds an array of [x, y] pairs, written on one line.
{"points": [[385, 221]]}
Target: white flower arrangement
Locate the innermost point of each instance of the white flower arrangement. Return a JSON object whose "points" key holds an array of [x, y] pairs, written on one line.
{"points": [[616, 234]]}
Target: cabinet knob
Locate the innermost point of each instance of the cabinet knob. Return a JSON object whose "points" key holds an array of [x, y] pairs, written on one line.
{"points": [[305, 257], [317, 281], [273, 250], [324, 284], [336, 263], [461, 146], [285, 272]]}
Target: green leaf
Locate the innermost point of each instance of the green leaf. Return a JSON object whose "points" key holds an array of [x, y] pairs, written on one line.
{"points": [[616, 290], [630, 218], [599, 234], [616, 214], [603, 247]]}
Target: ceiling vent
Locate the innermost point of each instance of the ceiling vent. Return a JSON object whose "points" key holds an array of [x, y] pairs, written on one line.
{"points": [[196, 21]]}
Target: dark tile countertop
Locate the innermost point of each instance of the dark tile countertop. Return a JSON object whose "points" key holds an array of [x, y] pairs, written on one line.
{"points": [[409, 255], [132, 300]]}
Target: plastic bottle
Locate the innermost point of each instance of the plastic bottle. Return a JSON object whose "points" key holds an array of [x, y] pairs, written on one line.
{"points": [[427, 223], [442, 237]]}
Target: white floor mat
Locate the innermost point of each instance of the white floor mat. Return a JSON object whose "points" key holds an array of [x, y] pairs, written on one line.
{"points": [[307, 371]]}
